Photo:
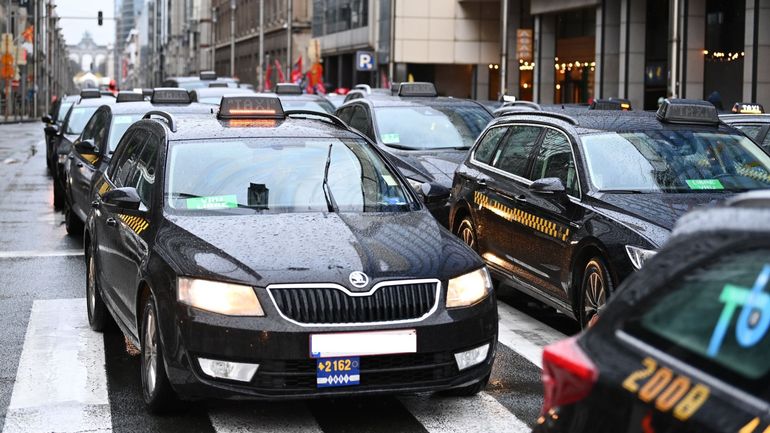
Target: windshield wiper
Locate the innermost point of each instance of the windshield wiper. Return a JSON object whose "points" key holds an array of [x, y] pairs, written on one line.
{"points": [[622, 191], [332, 205]]}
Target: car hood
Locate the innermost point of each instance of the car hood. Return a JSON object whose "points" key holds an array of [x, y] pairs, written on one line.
{"points": [[434, 166], [659, 209], [314, 247]]}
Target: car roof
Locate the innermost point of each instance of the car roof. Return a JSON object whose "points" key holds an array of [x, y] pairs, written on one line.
{"points": [[206, 92], [302, 97], [90, 102], [71, 98], [145, 106], [415, 101], [744, 118]]}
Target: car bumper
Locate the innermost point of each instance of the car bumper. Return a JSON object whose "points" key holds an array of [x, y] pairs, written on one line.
{"points": [[286, 370]]}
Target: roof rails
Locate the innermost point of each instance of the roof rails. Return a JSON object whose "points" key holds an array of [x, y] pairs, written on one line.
{"points": [[170, 95], [128, 96], [208, 75], [688, 111], [365, 87], [324, 116], [569, 119], [217, 84], [165, 115], [746, 108], [417, 89], [90, 94], [287, 89], [529, 104]]}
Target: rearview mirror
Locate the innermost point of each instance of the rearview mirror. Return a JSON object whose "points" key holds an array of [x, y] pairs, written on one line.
{"points": [[548, 185], [86, 147], [122, 200], [47, 119], [433, 192]]}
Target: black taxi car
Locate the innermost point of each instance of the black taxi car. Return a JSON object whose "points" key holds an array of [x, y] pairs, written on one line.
{"points": [[684, 345], [269, 254], [425, 135], [752, 120], [77, 116], [52, 124], [564, 207], [93, 149]]}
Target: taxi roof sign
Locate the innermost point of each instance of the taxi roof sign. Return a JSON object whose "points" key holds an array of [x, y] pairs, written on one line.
{"points": [[611, 104], [417, 89], [287, 89], [90, 93], [746, 108], [693, 111], [250, 107], [208, 75], [170, 95], [217, 84], [128, 96]]}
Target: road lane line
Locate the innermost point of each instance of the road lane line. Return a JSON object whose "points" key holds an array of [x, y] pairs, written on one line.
{"points": [[264, 417], [481, 413], [34, 254], [523, 334], [61, 382]]}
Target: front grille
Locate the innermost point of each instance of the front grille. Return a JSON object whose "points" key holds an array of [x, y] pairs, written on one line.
{"points": [[376, 371], [329, 305]]}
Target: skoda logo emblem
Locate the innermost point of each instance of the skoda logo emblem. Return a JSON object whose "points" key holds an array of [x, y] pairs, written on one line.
{"points": [[358, 279]]}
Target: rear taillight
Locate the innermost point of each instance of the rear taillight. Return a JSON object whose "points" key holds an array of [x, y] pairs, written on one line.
{"points": [[568, 374]]}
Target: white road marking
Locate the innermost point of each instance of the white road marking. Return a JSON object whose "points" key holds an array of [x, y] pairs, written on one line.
{"points": [[61, 381], [481, 413], [264, 417], [33, 254], [525, 335]]}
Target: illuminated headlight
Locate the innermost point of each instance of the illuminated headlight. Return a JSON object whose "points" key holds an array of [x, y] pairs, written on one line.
{"points": [[639, 255], [222, 298], [228, 370], [471, 357], [415, 184], [468, 289]]}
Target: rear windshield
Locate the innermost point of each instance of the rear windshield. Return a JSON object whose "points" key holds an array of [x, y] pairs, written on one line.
{"points": [[717, 316]]}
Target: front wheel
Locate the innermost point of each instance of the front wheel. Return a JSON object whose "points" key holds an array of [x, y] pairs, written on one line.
{"points": [[467, 232], [97, 311], [72, 222], [595, 288], [156, 389]]}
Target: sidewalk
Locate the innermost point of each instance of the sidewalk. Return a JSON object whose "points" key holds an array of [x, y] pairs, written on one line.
{"points": [[12, 119]]}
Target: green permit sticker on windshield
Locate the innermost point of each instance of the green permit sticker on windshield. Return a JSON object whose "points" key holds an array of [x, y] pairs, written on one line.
{"points": [[212, 202], [704, 184], [391, 138]]}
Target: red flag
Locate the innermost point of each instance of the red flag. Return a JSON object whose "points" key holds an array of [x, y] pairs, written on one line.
{"points": [[296, 73], [268, 84], [29, 33], [281, 76]]}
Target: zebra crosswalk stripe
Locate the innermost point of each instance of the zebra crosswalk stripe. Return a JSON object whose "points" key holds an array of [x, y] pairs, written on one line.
{"points": [[481, 413], [61, 384], [281, 417], [523, 334]]}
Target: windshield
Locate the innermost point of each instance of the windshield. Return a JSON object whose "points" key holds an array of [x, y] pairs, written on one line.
{"points": [[675, 161], [317, 106], [280, 175], [63, 108], [120, 124], [78, 119], [436, 127]]}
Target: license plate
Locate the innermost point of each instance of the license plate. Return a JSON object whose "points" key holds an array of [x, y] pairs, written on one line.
{"points": [[331, 372], [332, 345]]}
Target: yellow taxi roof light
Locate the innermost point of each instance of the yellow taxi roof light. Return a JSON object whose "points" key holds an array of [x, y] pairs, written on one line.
{"points": [[747, 108], [251, 107]]}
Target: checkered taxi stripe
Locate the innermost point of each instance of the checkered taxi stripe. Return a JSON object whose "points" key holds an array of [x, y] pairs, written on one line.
{"points": [[137, 224], [542, 225]]}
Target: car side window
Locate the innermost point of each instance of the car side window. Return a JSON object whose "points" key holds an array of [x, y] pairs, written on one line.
{"points": [[714, 316], [143, 176], [345, 114], [90, 129], [766, 143], [485, 151], [514, 153], [127, 160], [554, 159], [360, 121]]}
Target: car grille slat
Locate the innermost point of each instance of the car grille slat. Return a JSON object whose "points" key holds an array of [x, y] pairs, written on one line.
{"points": [[331, 305]]}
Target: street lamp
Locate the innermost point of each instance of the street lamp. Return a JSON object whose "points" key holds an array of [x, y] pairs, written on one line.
{"points": [[232, 38]]}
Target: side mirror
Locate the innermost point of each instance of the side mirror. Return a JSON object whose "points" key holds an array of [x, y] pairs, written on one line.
{"points": [[548, 185], [51, 130], [122, 200], [86, 147], [433, 192], [47, 119]]}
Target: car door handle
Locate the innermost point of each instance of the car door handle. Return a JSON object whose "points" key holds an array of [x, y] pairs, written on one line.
{"points": [[95, 204], [80, 164], [112, 222], [520, 197]]}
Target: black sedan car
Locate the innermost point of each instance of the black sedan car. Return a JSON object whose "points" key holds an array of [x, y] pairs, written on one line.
{"points": [[565, 207], [93, 149], [752, 120], [78, 115], [684, 345], [272, 255], [53, 122], [426, 136]]}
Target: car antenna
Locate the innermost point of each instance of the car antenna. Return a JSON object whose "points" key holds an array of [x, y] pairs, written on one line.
{"points": [[328, 191]]}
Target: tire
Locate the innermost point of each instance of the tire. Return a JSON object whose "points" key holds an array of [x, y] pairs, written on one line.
{"points": [[466, 231], [468, 390], [98, 316], [58, 195], [595, 287], [158, 395], [72, 222]]}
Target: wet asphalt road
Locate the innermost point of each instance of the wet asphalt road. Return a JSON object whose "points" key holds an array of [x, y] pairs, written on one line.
{"points": [[42, 270]]}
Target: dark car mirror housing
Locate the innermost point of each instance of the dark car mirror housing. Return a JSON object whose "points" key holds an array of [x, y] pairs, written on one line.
{"points": [[51, 129], [47, 119], [548, 185], [122, 200], [434, 192], [86, 147]]}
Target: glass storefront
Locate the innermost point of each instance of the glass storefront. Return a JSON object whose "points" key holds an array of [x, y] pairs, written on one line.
{"points": [[575, 56]]}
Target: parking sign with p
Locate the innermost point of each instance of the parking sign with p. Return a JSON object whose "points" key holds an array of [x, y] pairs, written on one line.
{"points": [[364, 61]]}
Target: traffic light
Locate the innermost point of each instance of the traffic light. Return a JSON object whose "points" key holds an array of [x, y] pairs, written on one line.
{"points": [[100, 18]]}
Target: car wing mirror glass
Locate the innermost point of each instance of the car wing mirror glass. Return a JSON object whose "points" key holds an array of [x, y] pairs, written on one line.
{"points": [[434, 192], [47, 119], [122, 200], [86, 147], [548, 185], [51, 129]]}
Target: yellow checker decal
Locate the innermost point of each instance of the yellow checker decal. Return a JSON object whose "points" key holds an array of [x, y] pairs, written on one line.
{"points": [[542, 225], [104, 187], [135, 223]]}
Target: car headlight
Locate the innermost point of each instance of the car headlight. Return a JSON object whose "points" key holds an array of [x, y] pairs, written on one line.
{"points": [[639, 255], [217, 297], [415, 184], [468, 289]]}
